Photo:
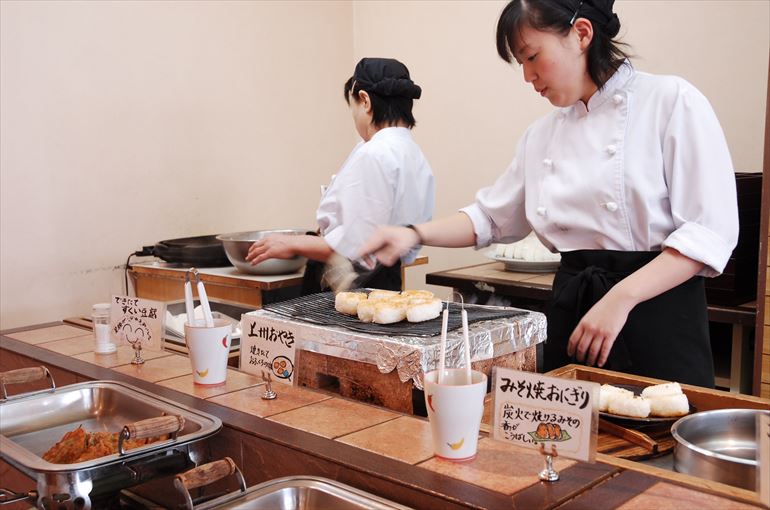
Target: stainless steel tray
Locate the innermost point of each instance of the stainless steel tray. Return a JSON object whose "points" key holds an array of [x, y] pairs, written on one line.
{"points": [[30, 424], [301, 492]]}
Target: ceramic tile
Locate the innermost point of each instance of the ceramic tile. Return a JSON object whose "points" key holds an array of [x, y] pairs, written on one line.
{"points": [[250, 400], [122, 356], [666, 496], [39, 336], [334, 417], [498, 466], [234, 381], [70, 346], [157, 369], [406, 439]]}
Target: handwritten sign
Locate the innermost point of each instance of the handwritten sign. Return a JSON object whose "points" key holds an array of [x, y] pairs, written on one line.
{"points": [[135, 320], [763, 458], [532, 409], [267, 346]]}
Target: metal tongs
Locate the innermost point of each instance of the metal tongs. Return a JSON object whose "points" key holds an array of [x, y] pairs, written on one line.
{"points": [[202, 296]]}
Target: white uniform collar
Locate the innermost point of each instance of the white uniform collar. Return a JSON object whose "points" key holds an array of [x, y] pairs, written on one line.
{"points": [[617, 81], [392, 131]]}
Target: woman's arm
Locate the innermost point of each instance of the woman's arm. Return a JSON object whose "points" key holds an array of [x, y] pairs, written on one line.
{"points": [[594, 336], [282, 246], [388, 244]]}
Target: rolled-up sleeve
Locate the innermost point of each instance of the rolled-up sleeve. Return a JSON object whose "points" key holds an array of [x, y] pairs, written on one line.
{"points": [[701, 182], [498, 213]]}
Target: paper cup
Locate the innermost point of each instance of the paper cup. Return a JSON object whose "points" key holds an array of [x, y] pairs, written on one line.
{"points": [[455, 410], [209, 349]]}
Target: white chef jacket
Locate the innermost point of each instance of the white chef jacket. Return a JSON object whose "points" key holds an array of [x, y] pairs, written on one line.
{"points": [[644, 167], [385, 181]]}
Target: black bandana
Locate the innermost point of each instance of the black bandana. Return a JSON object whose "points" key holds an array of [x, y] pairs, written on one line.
{"points": [[385, 77]]}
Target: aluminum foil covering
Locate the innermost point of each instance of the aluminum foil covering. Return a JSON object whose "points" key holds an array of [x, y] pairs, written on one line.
{"points": [[412, 356]]}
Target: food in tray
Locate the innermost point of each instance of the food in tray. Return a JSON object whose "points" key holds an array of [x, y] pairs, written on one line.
{"points": [[347, 302], [388, 307], [636, 407], [529, 249], [79, 446], [669, 405], [607, 390], [662, 390], [661, 400]]}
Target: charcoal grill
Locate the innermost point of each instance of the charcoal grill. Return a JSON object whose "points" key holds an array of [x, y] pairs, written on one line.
{"points": [[319, 309], [31, 423]]}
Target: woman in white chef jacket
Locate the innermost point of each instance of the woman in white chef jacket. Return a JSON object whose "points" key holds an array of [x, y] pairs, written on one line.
{"points": [[630, 179], [385, 180]]}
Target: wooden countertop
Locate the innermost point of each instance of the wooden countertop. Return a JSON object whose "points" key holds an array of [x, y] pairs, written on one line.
{"points": [[311, 432]]}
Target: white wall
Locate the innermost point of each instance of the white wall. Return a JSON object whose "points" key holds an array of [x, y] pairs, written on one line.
{"points": [[475, 106], [125, 123]]}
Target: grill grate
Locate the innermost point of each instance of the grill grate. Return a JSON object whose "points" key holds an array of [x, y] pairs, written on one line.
{"points": [[319, 309]]}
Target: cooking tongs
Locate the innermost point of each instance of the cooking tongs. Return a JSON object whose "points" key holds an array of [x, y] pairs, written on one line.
{"points": [[25, 375], [188, 299]]}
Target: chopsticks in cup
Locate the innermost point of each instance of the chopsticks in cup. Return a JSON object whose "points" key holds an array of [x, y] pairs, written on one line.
{"points": [[466, 345], [442, 345], [188, 299]]}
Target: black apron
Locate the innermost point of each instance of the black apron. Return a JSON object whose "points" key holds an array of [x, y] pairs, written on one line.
{"points": [[666, 337], [387, 278]]}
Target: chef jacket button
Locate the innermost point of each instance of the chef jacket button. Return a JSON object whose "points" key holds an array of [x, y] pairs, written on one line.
{"points": [[611, 149], [547, 162], [611, 206], [541, 210], [617, 98]]}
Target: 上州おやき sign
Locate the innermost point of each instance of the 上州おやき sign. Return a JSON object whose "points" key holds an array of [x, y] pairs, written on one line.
{"points": [[267, 347]]}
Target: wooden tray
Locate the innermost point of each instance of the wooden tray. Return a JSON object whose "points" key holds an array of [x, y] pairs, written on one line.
{"points": [[703, 399]]}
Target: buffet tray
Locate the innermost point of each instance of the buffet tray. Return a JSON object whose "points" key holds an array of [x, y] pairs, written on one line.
{"points": [[701, 399], [31, 423]]}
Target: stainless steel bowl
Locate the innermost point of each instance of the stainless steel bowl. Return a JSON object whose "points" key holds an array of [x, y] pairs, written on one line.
{"points": [[237, 246], [719, 445]]}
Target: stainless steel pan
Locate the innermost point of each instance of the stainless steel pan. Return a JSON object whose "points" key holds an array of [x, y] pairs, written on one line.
{"points": [[719, 445], [30, 424]]}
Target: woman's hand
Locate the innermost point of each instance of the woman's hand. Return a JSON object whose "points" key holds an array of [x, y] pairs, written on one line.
{"points": [[595, 334], [277, 246], [388, 244]]}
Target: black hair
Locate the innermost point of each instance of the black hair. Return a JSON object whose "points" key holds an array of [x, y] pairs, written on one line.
{"points": [[605, 55], [390, 89]]}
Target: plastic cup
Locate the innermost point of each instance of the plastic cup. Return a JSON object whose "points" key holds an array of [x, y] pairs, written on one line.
{"points": [[209, 349], [455, 410]]}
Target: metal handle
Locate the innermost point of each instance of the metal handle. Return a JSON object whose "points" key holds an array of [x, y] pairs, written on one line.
{"points": [[206, 474], [24, 375], [151, 427], [8, 496]]}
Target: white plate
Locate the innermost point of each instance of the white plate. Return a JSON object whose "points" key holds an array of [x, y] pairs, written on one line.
{"points": [[526, 266]]}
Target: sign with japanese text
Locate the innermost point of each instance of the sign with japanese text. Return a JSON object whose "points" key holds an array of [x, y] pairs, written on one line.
{"points": [[532, 409], [267, 347], [763, 458], [135, 320]]}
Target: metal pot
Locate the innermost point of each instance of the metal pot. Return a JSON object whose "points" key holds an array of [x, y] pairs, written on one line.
{"points": [[719, 445], [237, 247]]}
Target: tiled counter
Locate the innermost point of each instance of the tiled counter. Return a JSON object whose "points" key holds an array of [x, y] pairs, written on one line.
{"points": [[306, 431]]}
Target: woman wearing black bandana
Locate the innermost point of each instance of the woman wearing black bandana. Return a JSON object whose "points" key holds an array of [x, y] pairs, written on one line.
{"points": [[630, 179], [385, 180]]}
